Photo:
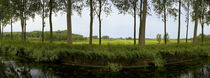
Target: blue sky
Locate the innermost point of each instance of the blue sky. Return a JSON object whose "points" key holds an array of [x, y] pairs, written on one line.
{"points": [[116, 25]]}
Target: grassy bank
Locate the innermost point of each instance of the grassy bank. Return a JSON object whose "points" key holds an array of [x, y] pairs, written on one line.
{"points": [[122, 55]]}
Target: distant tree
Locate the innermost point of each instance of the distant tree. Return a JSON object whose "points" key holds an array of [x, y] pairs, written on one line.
{"points": [[105, 37], [129, 38], [167, 37], [158, 38], [95, 37]]}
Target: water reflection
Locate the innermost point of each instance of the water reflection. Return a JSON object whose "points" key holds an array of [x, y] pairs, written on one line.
{"points": [[12, 69], [22, 69]]}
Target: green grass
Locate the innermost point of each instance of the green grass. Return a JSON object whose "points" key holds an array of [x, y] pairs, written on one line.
{"points": [[113, 53], [113, 42], [124, 42]]}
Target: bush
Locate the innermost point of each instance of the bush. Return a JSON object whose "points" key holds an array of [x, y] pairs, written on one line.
{"points": [[158, 38]]}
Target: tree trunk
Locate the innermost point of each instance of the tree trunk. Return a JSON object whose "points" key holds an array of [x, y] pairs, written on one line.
{"points": [[188, 19], [22, 28], [11, 29], [43, 21], [187, 32], [179, 23], [140, 21], [0, 31], [134, 8], [196, 23], [50, 21], [91, 22], [142, 37], [165, 32], [99, 19], [202, 38], [69, 24]]}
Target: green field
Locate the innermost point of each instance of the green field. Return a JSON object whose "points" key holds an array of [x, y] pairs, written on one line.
{"points": [[111, 41], [125, 42]]}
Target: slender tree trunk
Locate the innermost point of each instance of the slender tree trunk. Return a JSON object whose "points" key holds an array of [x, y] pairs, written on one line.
{"points": [[22, 28], [43, 21], [144, 18], [69, 22], [22, 20], [50, 21], [179, 23], [202, 26], [140, 21], [134, 8], [165, 32], [25, 28], [188, 19], [196, 23], [0, 31], [91, 22], [187, 31], [99, 19], [11, 29]]}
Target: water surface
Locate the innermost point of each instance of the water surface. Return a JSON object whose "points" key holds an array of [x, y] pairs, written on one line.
{"points": [[22, 69]]}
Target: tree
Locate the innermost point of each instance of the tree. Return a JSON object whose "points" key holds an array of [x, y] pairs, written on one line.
{"points": [[95, 37], [43, 11], [130, 7], [158, 38], [53, 6], [143, 23], [187, 8], [8, 14], [195, 4], [91, 5], [202, 16], [140, 20], [179, 22], [102, 6], [2, 8], [105, 37], [70, 6], [164, 8], [24, 9]]}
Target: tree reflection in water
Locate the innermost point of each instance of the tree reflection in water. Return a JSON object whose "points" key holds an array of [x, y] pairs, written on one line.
{"points": [[18, 69], [11, 69]]}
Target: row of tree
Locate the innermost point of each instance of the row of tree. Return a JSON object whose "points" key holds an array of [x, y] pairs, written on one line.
{"points": [[13, 10]]}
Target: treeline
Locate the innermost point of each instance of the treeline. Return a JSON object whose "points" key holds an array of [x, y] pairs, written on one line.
{"points": [[13, 10], [58, 35]]}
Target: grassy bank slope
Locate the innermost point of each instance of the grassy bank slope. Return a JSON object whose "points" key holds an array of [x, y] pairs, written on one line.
{"points": [[123, 55]]}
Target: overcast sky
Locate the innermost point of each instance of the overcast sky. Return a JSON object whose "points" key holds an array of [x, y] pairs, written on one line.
{"points": [[116, 25]]}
